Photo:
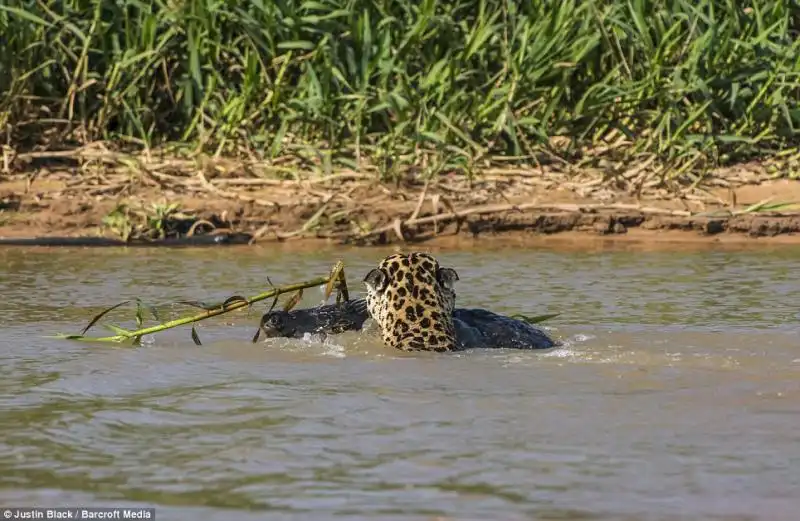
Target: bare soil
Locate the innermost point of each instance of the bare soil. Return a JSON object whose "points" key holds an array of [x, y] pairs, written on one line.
{"points": [[347, 207]]}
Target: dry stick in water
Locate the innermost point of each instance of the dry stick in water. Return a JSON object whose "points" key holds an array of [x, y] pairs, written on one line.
{"points": [[337, 273]]}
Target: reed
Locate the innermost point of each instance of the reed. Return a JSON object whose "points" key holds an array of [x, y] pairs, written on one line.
{"points": [[447, 84]]}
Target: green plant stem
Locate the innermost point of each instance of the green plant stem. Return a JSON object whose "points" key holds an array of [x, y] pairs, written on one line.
{"points": [[124, 335]]}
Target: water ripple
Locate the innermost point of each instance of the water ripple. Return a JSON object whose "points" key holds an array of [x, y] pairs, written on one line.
{"points": [[675, 395]]}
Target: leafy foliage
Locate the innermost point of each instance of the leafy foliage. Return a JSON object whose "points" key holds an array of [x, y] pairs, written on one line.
{"points": [[690, 83]]}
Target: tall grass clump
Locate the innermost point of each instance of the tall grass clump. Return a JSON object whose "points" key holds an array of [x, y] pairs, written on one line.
{"points": [[689, 83]]}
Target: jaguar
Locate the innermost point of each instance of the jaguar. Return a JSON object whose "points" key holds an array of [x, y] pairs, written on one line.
{"points": [[412, 299]]}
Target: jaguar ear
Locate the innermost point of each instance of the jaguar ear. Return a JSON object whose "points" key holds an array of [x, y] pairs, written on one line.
{"points": [[375, 280], [447, 277]]}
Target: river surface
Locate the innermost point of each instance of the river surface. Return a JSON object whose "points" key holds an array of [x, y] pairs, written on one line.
{"points": [[676, 395]]}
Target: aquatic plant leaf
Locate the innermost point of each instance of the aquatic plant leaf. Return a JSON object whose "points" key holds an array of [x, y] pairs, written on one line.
{"points": [[116, 329], [139, 313], [231, 300], [535, 319], [274, 303], [328, 290], [198, 304], [343, 295], [292, 302], [196, 337], [81, 338], [337, 268], [337, 281], [101, 315]]}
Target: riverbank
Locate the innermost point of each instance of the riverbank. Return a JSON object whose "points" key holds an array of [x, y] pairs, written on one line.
{"points": [[120, 197], [294, 122]]}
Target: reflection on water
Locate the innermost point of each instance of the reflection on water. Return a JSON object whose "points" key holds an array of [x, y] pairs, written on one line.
{"points": [[675, 397]]}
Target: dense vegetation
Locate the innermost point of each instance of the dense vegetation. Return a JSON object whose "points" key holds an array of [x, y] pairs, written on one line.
{"points": [[691, 82]]}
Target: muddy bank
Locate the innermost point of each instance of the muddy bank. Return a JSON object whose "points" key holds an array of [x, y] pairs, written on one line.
{"points": [[517, 226], [350, 208], [603, 222]]}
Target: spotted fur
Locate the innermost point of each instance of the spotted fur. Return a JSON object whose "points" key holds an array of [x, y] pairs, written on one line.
{"points": [[411, 297]]}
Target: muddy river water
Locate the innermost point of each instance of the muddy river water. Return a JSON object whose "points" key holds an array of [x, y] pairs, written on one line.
{"points": [[676, 395]]}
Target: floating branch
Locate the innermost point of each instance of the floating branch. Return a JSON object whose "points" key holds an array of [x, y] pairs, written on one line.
{"points": [[335, 279]]}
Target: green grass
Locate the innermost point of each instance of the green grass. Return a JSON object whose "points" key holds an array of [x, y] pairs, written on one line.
{"points": [[693, 84]]}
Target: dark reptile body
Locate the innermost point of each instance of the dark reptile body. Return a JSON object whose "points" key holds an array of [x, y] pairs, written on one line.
{"points": [[475, 328]]}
